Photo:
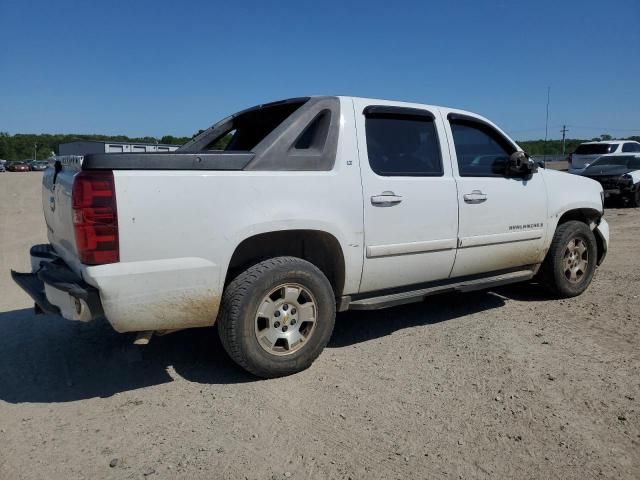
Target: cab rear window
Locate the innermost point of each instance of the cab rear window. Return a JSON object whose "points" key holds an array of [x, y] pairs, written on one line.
{"points": [[244, 130], [251, 127]]}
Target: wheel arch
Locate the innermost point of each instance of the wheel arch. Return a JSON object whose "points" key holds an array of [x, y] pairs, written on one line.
{"points": [[585, 215], [316, 246], [589, 216]]}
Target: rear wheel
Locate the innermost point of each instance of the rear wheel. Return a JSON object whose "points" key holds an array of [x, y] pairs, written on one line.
{"points": [[277, 316], [571, 260]]}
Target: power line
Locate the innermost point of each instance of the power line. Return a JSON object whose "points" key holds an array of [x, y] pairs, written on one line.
{"points": [[560, 126], [607, 128]]}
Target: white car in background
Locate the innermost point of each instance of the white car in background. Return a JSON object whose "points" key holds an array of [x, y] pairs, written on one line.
{"points": [[588, 152]]}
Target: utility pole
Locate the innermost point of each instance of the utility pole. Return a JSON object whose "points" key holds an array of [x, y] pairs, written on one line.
{"points": [[564, 132], [35, 151]]}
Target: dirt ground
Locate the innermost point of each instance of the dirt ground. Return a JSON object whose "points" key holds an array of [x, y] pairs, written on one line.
{"points": [[501, 384]]}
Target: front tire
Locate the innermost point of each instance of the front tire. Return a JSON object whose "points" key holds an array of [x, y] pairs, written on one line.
{"points": [[277, 316], [571, 260]]}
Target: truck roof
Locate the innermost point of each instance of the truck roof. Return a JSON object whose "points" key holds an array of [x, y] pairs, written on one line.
{"points": [[413, 105], [606, 141]]}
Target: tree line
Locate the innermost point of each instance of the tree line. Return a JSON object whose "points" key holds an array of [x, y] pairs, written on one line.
{"points": [[22, 146]]}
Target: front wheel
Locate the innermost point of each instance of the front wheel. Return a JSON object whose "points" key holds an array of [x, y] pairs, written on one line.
{"points": [[571, 260], [277, 316]]}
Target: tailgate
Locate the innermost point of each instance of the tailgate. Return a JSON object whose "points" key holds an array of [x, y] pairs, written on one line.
{"points": [[57, 185]]}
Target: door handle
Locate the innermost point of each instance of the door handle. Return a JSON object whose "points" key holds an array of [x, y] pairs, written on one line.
{"points": [[386, 199], [475, 197]]}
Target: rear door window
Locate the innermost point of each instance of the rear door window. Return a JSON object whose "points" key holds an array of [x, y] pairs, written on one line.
{"points": [[630, 147], [402, 142]]}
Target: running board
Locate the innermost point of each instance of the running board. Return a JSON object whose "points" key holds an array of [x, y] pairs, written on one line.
{"points": [[391, 300]]}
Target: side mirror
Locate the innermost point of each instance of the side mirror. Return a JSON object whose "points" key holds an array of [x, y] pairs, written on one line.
{"points": [[521, 164]]}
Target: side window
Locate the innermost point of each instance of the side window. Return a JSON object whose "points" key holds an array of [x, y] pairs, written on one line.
{"points": [[402, 144], [481, 151], [630, 147]]}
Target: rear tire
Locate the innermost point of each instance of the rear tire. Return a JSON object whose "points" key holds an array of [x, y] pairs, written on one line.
{"points": [[570, 263], [277, 316]]}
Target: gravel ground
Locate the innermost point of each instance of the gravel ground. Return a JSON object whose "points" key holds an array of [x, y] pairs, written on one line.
{"points": [[500, 384]]}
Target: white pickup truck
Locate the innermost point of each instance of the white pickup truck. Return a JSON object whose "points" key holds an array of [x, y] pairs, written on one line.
{"points": [[276, 217]]}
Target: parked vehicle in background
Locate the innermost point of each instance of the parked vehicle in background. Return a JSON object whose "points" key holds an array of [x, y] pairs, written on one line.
{"points": [[588, 152], [2, 169], [311, 206], [619, 175], [38, 165], [18, 167]]}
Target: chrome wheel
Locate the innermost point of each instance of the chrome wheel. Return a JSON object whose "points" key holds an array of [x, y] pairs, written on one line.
{"points": [[286, 319], [576, 260]]}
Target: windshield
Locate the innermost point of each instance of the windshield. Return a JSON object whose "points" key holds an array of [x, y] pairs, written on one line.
{"points": [[595, 148]]}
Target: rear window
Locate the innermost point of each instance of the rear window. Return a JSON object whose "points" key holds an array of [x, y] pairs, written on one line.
{"points": [[249, 128], [596, 148]]}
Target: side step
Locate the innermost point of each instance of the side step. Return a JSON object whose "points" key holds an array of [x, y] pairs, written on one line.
{"points": [[391, 300]]}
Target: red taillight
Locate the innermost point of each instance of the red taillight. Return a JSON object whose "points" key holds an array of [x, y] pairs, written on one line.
{"points": [[95, 218]]}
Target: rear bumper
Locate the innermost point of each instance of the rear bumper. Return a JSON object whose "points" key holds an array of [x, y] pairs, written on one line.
{"points": [[170, 294], [56, 289]]}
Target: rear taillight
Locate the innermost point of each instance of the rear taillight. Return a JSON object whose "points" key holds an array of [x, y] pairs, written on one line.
{"points": [[95, 218]]}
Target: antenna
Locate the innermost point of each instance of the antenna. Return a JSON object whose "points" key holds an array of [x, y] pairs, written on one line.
{"points": [[546, 126]]}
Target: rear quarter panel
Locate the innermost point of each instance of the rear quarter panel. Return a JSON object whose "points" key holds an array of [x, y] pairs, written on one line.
{"points": [[179, 229]]}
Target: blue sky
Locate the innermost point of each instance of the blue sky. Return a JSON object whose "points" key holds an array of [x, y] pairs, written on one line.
{"points": [[167, 67]]}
